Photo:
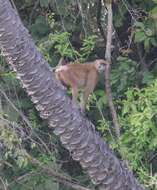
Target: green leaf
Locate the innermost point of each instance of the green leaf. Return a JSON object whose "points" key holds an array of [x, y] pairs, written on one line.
{"points": [[147, 44], [147, 78], [153, 13], [153, 41], [44, 3], [155, 1], [149, 32], [140, 36], [139, 25], [40, 28]]}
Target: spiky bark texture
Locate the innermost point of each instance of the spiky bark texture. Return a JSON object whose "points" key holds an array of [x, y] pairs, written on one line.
{"points": [[76, 133]]}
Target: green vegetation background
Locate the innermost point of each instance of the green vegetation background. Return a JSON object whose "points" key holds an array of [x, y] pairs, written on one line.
{"points": [[71, 28]]}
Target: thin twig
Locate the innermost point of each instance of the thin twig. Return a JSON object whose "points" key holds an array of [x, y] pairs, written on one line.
{"points": [[152, 62], [32, 12], [63, 25], [25, 120], [127, 6], [13, 5], [103, 118], [59, 178], [14, 107], [3, 183], [47, 171], [23, 177], [107, 71], [82, 16], [50, 172], [99, 8], [142, 58]]}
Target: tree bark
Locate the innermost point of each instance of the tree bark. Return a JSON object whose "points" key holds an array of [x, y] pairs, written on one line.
{"points": [[107, 70], [76, 133]]}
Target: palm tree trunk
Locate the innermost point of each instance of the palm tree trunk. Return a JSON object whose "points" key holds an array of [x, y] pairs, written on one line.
{"points": [[76, 133]]}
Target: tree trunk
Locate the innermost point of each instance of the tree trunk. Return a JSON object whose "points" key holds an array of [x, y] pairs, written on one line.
{"points": [[76, 133]]}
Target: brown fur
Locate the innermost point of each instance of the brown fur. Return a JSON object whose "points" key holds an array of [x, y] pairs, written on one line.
{"points": [[83, 76]]}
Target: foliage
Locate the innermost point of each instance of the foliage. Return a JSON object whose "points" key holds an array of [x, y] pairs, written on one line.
{"points": [[61, 43], [145, 33], [74, 33], [120, 81], [9, 138], [138, 120]]}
